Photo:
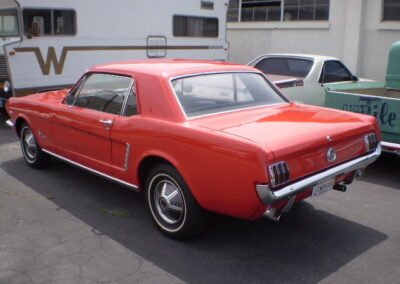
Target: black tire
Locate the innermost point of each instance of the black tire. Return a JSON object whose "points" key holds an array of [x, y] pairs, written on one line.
{"points": [[166, 192], [33, 154]]}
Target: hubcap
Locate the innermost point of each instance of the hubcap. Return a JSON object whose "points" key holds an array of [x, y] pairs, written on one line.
{"points": [[29, 142], [169, 202]]}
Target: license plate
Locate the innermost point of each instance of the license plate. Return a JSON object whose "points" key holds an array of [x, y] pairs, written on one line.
{"points": [[323, 187]]}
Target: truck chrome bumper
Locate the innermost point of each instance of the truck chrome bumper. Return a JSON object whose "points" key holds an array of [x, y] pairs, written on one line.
{"points": [[268, 196], [390, 147], [10, 123]]}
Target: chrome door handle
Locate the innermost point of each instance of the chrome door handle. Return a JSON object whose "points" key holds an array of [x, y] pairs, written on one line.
{"points": [[106, 122]]}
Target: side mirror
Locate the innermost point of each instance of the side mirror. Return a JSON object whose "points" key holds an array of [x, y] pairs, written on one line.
{"points": [[69, 99], [354, 78]]}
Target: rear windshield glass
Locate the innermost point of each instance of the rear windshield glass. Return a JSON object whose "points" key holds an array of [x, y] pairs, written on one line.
{"points": [[293, 67], [213, 93]]}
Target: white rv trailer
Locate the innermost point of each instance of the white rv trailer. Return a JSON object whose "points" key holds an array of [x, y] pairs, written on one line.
{"points": [[48, 44]]}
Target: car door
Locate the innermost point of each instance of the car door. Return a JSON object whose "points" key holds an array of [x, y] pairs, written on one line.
{"points": [[125, 130], [81, 126]]}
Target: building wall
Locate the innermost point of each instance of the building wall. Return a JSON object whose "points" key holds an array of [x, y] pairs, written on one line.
{"points": [[354, 34], [376, 39]]}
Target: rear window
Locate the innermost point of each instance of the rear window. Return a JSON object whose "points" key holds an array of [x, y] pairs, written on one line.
{"points": [[293, 67], [213, 93]]}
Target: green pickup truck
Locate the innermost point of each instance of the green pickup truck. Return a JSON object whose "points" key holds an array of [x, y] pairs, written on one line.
{"points": [[380, 99]]}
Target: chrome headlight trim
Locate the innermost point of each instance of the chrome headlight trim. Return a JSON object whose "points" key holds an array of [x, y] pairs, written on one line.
{"points": [[6, 86]]}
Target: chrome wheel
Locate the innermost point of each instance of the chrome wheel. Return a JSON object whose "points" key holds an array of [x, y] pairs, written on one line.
{"points": [[29, 145], [168, 200], [171, 203]]}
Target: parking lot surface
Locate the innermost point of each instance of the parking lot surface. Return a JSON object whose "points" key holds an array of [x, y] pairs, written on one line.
{"points": [[64, 225]]}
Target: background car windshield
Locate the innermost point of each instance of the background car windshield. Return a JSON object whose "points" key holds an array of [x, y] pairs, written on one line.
{"points": [[294, 67], [8, 23], [208, 94]]}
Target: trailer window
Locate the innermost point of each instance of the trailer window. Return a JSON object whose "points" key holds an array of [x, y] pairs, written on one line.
{"points": [[195, 26], [39, 22], [8, 23]]}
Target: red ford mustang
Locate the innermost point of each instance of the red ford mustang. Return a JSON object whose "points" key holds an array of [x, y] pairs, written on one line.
{"points": [[196, 136]]}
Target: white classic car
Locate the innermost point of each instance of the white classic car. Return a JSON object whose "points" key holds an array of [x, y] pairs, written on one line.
{"points": [[302, 76]]}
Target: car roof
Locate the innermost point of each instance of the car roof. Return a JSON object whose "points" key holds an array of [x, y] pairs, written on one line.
{"points": [[302, 55], [170, 67]]}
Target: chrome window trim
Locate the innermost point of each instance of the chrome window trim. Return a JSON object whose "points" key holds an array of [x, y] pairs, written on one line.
{"points": [[124, 106], [135, 187], [285, 100], [130, 88]]}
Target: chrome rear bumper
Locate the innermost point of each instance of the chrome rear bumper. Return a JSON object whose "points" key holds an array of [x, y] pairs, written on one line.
{"points": [[10, 123], [268, 196]]}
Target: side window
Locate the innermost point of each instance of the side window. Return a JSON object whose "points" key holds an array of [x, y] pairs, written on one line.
{"points": [[103, 92], [335, 71], [131, 104], [294, 67], [40, 22]]}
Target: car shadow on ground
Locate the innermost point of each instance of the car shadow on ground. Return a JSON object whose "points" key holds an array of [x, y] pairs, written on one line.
{"points": [[306, 247], [384, 171]]}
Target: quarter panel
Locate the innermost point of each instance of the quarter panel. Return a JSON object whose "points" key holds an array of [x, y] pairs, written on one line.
{"points": [[221, 170]]}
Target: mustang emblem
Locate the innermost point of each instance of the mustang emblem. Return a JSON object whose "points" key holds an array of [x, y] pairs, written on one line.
{"points": [[331, 155]]}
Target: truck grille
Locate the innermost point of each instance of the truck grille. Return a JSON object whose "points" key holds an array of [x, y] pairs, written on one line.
{"points": [[3, 68]]}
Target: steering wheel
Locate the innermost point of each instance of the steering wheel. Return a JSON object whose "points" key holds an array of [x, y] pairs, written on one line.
{"points": [[104, 93]]}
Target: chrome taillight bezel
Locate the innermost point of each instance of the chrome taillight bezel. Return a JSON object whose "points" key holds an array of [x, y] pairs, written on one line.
{"points": [[279, 173], [371, 142]]}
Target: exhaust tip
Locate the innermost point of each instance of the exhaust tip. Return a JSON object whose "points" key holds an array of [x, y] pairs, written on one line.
{"points": [[340, 187], [271, 214]]}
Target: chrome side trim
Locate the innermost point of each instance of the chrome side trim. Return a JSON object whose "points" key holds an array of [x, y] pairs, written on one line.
{"points": [[127, 152], [10, 123], [136, 188], [390, 145], [268, 196]]}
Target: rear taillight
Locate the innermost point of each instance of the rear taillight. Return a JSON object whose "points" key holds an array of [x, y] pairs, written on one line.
{"points": [[279, 173], [371, 142]]}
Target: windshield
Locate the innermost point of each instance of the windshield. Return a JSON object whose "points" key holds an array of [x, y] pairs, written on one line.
{"points": [[213, 93], [8, 23]]}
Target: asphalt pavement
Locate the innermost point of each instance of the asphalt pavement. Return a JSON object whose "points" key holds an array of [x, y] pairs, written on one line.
{"points": [[64, 225]]}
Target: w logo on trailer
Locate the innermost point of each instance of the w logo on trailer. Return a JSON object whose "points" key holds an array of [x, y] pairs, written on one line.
{"points": [[51, 58]]}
